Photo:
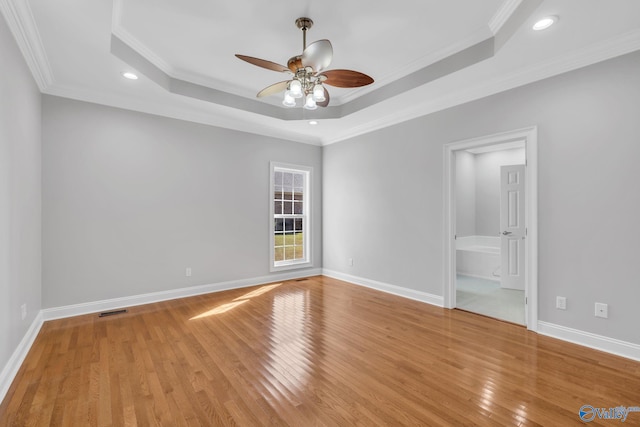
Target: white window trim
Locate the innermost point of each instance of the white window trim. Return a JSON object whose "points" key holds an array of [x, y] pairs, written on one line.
{"points": [[307, 224]]}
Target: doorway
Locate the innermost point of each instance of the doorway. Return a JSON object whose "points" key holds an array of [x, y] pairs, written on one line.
{"points": [[490, 231], [490, 248]]}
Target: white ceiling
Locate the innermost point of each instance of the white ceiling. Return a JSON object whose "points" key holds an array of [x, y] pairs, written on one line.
{"points": [[79, 48]]}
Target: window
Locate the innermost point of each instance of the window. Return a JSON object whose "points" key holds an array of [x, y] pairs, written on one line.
{"points": [[290, 221]]}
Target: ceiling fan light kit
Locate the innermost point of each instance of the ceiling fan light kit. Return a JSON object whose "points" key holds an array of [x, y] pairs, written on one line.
{"points": [[307, 77]]}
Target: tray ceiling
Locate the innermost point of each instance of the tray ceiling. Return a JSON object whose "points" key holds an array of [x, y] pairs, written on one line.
{"points": [[423, 55]]}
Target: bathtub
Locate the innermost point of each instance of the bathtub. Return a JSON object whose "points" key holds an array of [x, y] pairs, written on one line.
{"points": [[478, 256]]}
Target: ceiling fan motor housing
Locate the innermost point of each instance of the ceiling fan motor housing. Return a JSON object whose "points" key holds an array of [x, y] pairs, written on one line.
{"points": [[295, 63]]}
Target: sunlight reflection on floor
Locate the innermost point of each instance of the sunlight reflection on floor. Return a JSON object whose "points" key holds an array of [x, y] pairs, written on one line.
{"points": [[291, 344], [220, 309], [236, 302]]}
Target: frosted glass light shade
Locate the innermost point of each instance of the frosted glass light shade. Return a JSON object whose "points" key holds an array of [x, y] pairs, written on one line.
{"points": [[310, 103], [289, 101], [318, 93], [295, 89]]}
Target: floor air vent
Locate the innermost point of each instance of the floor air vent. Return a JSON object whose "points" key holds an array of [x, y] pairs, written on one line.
{"points": [[112, 313]]}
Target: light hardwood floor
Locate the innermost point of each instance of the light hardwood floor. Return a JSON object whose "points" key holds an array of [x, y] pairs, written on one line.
{"points": [[305, 353]]}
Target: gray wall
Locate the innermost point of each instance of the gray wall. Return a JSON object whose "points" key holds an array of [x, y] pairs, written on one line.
{"points": [[130, 200], [487, 169], [383, 193], [465, 194], [20, 191]]}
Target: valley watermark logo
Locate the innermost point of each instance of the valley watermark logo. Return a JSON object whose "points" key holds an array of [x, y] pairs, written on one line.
{"points": [[589, 413]]}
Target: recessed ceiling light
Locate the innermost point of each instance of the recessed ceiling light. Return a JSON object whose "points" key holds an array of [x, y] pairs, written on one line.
{"points": [[129, 75], [313, 122], [545, 23]]}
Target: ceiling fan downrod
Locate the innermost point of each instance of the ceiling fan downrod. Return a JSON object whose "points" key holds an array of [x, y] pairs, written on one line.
{"points": [[304, 24]]}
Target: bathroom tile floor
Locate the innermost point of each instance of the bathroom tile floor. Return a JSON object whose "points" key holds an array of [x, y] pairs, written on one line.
{"points": [[485, 297]]}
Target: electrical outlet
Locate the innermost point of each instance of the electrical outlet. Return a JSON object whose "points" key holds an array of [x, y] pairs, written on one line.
{"points": [[23, 311], [351, 262], [602, 310], [561, 303], [187, 272]]}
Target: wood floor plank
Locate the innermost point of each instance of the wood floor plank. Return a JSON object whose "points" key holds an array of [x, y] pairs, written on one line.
{"points": [[317, 352]]}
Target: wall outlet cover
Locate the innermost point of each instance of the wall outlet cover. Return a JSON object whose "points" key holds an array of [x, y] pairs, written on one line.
{"points": [[602, 310]]}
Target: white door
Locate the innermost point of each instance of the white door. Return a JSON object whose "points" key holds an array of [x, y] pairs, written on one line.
{"points": [[512, 226]]}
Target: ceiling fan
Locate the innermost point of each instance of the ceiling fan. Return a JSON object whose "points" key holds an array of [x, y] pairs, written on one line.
{"points": [[308, 74]]}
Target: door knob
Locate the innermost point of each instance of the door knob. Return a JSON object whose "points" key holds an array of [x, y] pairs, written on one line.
{"points": [[506, 233]]}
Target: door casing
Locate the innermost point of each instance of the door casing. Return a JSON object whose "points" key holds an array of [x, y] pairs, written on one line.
{"points": [[530, 137]]}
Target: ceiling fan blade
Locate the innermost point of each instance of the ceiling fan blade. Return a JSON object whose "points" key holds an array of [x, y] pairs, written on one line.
{"points": [[318, 55], [326, 98], [264, 63], [274, 88], [346, 78]]}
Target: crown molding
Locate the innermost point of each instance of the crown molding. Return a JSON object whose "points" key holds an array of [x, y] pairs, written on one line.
{"points": [[481, 34], [23, 27], [118, 30], [476, 37], [143, 50], [478, 46], [502, 15], [598, 52], [450, 64], [224, 120], [22, 24], [617, 46], [147, 53]]}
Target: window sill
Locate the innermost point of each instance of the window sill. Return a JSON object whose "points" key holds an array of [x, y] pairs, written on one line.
{"points": [[291, 266]]}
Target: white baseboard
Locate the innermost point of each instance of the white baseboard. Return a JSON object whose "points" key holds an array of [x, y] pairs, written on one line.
{"points": [[130, 301], [10, 370], [587, 339], [17, 358], [385, 287]]}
